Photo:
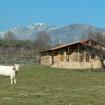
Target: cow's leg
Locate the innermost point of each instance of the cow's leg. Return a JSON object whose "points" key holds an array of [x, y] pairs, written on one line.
{"points": [[15, 80], [11, 80]]}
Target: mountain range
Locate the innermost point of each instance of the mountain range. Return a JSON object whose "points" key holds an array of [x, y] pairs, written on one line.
{"points": [[66, 34]]}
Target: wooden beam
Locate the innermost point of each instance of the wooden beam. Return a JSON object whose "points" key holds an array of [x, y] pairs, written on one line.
{"points": [[52, 57], [78, 52], [68, 52]]}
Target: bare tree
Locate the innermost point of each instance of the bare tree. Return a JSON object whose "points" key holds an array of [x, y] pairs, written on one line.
{"points": [[97, 36], [42, 41], [100, 39]]}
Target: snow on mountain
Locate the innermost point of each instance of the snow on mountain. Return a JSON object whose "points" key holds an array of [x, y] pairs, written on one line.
{"points": [[41, 27], [28, 32], [70, 33]]}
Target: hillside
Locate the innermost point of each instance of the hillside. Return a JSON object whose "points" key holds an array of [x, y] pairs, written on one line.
{"points": [[73, 32]]}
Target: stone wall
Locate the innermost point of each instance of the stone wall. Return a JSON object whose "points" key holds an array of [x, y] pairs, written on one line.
{"points": [[78, 65], [75, 61], [75, 57]]}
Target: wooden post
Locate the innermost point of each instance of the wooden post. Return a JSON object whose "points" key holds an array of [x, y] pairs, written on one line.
{"points": [[84, 56], [52, 57], [89, 56], [78, 52], [68, 52], [64, 54]]}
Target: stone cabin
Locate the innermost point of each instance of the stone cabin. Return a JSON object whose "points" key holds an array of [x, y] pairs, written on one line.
{"points": [[83, 54]]}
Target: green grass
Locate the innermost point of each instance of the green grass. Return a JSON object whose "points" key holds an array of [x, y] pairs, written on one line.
{"points": [[37, 85]]}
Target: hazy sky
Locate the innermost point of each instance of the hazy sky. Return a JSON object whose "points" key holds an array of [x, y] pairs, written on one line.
{"points": [[57, 12]]}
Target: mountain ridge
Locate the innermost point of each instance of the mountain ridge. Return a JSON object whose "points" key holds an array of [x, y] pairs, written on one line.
{"points": [[66, 34]]}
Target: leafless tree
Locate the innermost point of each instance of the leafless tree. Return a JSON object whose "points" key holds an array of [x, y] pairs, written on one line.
{"points": [[42, 41], [100, 39]]}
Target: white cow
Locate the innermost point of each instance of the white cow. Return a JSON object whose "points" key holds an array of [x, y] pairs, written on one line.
{"points": [[9, 71]]}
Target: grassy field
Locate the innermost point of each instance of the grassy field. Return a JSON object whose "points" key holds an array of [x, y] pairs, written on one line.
{"points": [[37, 85]]}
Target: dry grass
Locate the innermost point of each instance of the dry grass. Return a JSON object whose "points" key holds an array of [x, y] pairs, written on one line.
{"points": [[37, 85]]}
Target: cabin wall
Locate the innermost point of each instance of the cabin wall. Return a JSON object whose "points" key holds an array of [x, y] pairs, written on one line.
{"points": [[78, 65], [74, 56]]}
